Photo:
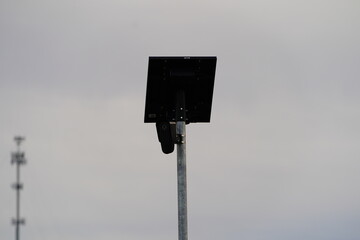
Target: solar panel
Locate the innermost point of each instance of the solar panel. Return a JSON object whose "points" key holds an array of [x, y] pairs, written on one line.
{"points": [[167, 75]]}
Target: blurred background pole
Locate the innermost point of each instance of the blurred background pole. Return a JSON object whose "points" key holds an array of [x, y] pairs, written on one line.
{"points": [[181, 165], [17, 227], [18, 158]]}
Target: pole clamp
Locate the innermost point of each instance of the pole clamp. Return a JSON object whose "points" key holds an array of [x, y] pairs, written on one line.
{"points": [[20, 221], [180, 139]]}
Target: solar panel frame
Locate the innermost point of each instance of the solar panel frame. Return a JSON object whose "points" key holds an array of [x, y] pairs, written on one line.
{"points": [[167, 75]]}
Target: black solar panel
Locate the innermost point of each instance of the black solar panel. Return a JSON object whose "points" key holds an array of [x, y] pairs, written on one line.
{"points": [[167, 75]]}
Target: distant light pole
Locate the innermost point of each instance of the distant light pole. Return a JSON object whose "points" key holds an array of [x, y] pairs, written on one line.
{"points": [[18, 158], [179, 91]]}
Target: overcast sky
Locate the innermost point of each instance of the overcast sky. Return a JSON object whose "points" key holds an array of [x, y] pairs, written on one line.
{"points": [[280, 159]]}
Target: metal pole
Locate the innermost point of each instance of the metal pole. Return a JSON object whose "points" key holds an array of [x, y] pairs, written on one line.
{"points": [[18, 158], [181, 166], [17, 227]]}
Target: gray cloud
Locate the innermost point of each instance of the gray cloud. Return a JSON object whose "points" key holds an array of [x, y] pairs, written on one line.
{"points": [[278, 161]]}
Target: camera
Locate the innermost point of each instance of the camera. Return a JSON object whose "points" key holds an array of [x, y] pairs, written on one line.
{"points": [[166, 132]]}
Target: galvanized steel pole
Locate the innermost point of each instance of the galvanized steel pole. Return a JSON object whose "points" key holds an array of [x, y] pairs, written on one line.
{"points": [[181, 177], [181, 166], [17, 227]]}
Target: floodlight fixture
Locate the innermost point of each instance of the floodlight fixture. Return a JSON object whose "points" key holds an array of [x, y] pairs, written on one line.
{"points": [[179, 91], [19, 139]]}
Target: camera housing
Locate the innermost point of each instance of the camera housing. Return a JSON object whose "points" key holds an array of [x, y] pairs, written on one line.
{"points": [[166, 132]]}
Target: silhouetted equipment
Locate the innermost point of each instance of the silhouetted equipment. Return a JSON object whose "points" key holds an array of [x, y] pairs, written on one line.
{"points": [[179, 91], [167, 75], [167, 135], [18, 158]]}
